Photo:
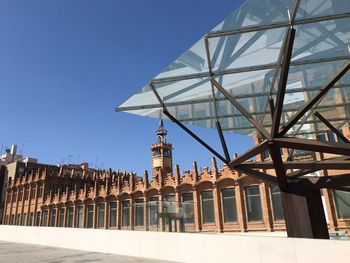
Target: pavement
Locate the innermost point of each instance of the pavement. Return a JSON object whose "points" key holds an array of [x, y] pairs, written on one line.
{"points": [[18, 252]]}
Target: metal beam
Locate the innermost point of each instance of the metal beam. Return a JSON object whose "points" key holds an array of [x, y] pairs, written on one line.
{"points": [[307, 165], [241, 109], [314, 100], [259, 148], [223, 142], [278, 166], [249, 29], [171, 117], [258, 175], [331, 127], [287, 54], [313, 145]]}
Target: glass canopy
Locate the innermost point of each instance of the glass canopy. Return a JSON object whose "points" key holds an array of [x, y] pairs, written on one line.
{"points": [[242, 54]]}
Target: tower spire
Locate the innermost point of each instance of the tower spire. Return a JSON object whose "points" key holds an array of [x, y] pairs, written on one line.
{"points": [[161, 131]]}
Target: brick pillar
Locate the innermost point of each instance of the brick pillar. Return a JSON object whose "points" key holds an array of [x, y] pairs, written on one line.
{"points": [[17, 218], [132, 214], [84, 215], [217, 209], [29, 202], [106, 215], [36, 203], [196, 212], [330, 209], [119, 218], [11, 205], [178, 204], [65, 215], [241, 213], [146, 214], [57, 215], [5, 209], [74, 223], [94, 225], [266, 206]]}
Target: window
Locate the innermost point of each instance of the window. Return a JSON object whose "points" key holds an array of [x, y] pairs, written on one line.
{"points": [[31, 218], [253, 203], [139, 216], [331, 136], [187, 208], [14, 196], [170, 204], [45, 217], [112, 214], [18, 219], [32, 195], [342, 201], [322, 137], [266, 154], [40, 190], [80, 219], [61, 219], [90, 216], [24, 219], [153, 211], [277, 203], [37, 219], [70, 216], [7, 220], [126, 213], [53, 217], [20, 195], [229, 205], [101, 215], [26, 193], [207, 207]]}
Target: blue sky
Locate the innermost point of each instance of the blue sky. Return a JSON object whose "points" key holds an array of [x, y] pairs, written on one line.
{"points": [[65, 65]]}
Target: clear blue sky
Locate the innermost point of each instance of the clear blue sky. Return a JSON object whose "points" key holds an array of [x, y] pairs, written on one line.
{"points": [[65, 65]]}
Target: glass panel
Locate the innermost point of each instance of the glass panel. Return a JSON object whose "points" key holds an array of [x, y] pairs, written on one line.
{"points": [[45, 218], [70, 217], [80, 216], [342, 200], [90, 216], [101, 215], [53, 217], [153, 211], [188, 208], [229, 205], [139, 212], [31, 218], [37, 219], [207, 207], [253, 203], [112, 214], [277, 203], [24, 219], [125, 213], [170, 205], [244, 62], [61, 220]]}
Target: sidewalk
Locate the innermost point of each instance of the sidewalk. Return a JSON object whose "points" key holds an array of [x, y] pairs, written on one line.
{"points": [[17, 252]]}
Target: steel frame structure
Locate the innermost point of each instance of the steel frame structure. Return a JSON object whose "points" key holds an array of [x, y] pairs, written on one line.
{"points": [[301, 197]]}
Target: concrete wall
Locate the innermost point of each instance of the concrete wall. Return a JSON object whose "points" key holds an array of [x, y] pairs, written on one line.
{"points": [[182, 247]]}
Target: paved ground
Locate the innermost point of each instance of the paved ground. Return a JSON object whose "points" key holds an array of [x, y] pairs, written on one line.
{"points": [[16, 252]]}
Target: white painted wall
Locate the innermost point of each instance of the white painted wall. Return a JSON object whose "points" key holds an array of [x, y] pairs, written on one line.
{"points": [[184, 247]]}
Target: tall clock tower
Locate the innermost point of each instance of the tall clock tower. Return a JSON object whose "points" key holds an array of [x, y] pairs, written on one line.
{"points": [[162, 161]]}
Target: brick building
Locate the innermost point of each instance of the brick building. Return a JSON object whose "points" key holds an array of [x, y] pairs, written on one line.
{"points": [[212, 199]]}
